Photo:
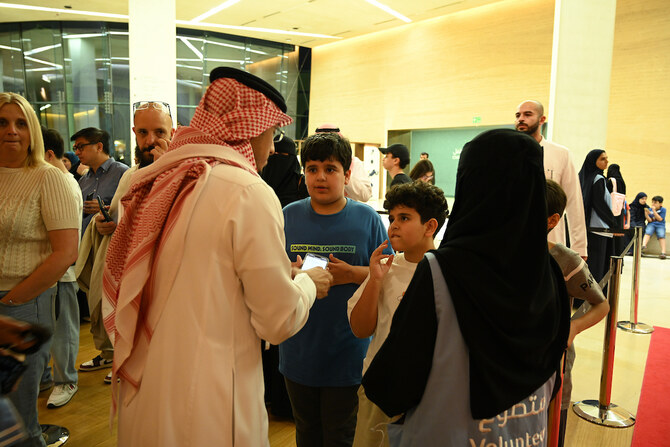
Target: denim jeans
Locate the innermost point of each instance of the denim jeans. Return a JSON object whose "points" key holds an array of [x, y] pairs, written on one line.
{"points": [[65, 345], [11, 426], [24, 397]]}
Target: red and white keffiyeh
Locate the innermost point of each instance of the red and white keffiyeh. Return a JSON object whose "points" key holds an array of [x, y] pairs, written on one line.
{"points": [[231, 113], [228, 115]]}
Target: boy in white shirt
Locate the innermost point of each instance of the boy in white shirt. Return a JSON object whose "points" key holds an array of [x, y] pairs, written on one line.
{"points": [[416, 212]]}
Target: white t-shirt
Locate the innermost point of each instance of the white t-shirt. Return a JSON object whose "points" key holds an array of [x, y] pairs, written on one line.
{"points": [[393, 288], [69, 275]]}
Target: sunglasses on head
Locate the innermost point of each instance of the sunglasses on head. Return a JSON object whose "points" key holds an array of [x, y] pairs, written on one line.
{"points": [[158, 105]]}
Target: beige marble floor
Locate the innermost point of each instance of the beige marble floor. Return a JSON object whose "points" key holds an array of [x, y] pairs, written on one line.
{"points": [[630, 353]]}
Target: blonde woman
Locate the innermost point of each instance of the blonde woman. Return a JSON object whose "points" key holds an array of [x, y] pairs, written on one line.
{"points": [[38, 242]]}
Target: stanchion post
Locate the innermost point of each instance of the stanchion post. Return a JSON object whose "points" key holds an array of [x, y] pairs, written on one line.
{"points": [[603, 411], [633, 325]]}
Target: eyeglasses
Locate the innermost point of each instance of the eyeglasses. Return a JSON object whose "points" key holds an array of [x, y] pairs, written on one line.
{"points": [[158, 105], [78, 147], [278, 135]]}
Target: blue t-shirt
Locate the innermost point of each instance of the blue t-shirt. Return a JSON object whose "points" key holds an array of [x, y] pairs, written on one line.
{"points": [[325, 352], [656, 223]]}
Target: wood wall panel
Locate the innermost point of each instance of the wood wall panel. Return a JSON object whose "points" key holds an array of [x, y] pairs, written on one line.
{"points": [[482, 62], [639, 113], [436, 73]]}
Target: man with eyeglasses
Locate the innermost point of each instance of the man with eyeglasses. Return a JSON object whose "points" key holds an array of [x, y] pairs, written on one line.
{"points": [[153, 131], [91, 145]]}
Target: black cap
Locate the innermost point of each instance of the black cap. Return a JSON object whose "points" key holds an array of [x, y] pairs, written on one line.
{"points": [[250, 81], [327, 129], [398, 151]]}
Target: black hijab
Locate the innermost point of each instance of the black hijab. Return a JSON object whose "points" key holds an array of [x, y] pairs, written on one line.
{"points": [[637, 210], [282, 171], [508, 293], [586, 176], [74, 164], [636, 203], [614, 172]]}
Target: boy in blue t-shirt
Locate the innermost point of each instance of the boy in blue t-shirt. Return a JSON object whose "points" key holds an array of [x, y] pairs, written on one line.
{"points": [[322, 363], [655, 215]]}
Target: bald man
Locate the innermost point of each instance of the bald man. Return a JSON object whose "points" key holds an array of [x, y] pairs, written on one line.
{"points": [[558, 166], [153, 131]]}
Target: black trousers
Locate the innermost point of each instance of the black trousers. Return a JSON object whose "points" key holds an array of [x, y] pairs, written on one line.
{"points": [[601, 248], [324, 416]]}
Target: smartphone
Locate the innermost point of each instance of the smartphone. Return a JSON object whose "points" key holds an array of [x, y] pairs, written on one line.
{"points": [[312, 260], [89, 196], [104, 212]]}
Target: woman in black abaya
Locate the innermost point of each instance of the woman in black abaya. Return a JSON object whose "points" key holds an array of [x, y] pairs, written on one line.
{"points": [[482, 326], [597, 212]]}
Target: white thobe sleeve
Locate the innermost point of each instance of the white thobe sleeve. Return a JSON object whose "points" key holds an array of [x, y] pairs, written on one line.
{"points": [[574, 208], [359, 186], [279, 305]]}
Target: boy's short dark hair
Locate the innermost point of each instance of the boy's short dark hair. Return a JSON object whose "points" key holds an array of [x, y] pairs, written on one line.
{"points": [[325, 146], [556, 199], [658, 199], [93, 135], [426, 199], [53, 141]]}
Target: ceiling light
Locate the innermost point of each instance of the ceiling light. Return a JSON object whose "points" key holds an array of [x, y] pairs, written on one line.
{"points": [[190, 45], [225, 60], [251, 28], [188, 66], [64, 11], [394, 13], [43, 62], [213, 11], [256, 51], [40, 49], [179, 22], [4, 47], [82, 36], [237, 47]]}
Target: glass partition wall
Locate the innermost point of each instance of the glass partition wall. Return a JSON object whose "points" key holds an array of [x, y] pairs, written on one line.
{"points": [[75, 74]]}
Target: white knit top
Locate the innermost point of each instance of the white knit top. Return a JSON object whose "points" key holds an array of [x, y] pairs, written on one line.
{"points": [[33, 201]]}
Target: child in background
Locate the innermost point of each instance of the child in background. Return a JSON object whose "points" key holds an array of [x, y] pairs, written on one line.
{"points": [[655, 215], [637, 216], [580, 284], [322, 363], [416, 212]]}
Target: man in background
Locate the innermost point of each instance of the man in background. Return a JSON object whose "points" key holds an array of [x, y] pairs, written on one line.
{"points": [[558, 166], [153, 132], [65, 345]]}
